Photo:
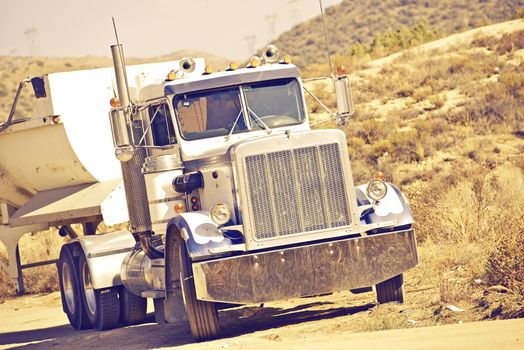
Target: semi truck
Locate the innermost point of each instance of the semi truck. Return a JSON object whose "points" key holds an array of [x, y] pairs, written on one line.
{"points": [[224, 194]]}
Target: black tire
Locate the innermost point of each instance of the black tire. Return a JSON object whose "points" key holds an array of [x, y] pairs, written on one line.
{"points": [[132, 307], [391, 290], [102, 305], [72, 302], [202, 315]]}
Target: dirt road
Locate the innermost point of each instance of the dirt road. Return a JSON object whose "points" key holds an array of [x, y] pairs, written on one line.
{"points": [[37, 322]]}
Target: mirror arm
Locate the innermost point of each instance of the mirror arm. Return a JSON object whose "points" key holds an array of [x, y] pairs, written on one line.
{"points": [[318, 100]]}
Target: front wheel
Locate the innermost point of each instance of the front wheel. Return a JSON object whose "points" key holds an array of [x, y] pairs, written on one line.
{"points": [[391, 290], [202, 315], [102, 305], [72, 302]]}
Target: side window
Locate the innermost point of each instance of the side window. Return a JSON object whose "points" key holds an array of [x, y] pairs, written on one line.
{"points": [[161, 125]]}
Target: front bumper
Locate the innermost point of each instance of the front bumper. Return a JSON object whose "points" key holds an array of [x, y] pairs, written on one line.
{"points": [[306, 270]]}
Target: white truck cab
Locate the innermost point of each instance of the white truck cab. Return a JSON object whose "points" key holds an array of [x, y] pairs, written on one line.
{"points": [[231, 199]]}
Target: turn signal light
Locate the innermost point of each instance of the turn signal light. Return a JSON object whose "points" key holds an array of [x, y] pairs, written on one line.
{"points": [[379, 175], [114, 102], [341, 70], [179, 208]]}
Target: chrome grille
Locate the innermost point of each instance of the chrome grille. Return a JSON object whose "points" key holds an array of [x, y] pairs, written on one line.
{"points": [[297, 191]]}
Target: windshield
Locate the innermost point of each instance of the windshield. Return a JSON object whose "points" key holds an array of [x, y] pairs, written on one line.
{"points": [[269, 104]]}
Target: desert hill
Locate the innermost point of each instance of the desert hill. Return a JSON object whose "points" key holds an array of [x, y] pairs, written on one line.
{"points": [[354, 22], [444, 121]]}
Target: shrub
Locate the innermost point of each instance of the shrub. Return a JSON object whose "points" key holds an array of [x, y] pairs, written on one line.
{"points": [[422, 93], [505, 265]]}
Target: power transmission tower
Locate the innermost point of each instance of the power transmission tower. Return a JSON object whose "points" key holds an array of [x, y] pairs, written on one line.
{"points": [[32, 36], [294, 10], [250, 41], [271, 24]]}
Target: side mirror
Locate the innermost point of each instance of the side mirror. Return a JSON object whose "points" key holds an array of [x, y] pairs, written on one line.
{"points": [[344, 99], [122, 138]]}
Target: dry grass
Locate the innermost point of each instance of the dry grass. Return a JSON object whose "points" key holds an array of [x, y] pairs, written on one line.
{"points": [[38, 246]]}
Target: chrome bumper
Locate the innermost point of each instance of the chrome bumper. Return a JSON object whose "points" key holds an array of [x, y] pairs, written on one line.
{"points": [[307, 270]]}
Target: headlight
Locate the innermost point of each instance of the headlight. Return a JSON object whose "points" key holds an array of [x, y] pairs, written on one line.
{"points": [[377, 190], [220, 213]]}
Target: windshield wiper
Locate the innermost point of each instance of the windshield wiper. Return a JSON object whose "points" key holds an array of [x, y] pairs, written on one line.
{"points": [[257, 119], [234, 125]]}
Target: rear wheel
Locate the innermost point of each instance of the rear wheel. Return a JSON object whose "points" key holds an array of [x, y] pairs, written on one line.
{"points": [[72, 302], [391, 290], [202, 315], [102, 305], [132, 307]]}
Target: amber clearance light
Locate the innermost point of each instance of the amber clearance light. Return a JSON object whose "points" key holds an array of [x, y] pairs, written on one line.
{"points": [[179, 208], [379, 175], [114, 102]]}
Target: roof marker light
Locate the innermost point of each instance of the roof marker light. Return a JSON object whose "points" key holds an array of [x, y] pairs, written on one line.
{"points": [[286, 59], [232, 66], [171, 76], [209, 69], [254, 62]]}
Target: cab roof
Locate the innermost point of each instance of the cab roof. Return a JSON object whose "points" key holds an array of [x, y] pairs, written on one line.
{"points": [[229, 78]]}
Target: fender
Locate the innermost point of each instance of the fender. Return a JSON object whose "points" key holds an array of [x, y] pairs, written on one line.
{"points": [[393, 206], [104, 254], [200, 234]]}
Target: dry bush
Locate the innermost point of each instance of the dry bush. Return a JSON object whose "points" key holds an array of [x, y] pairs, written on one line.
{"points": [[431, 126], [496, 107], [355, 147], [471, 204], [452, 268], [408, 146], [372, 130], [510, 42], [505, 265], [422, 93], [438, 100]]}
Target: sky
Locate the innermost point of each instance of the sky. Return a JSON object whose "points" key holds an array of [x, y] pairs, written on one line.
{"points": [[227, 28]]}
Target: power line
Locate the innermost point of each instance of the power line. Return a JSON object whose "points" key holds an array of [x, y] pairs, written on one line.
{"points": [[32, 36], [271, 24], [250, 41]]}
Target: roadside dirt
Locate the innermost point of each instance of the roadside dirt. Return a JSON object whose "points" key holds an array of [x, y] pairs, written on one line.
{"points": [[336, 321]]}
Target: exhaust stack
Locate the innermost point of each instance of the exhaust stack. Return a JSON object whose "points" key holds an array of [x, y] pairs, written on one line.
{"points": [[134, 182]]}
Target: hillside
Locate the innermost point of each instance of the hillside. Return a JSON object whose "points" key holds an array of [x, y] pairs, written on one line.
{"points": [[14, 69], [445, 122], [353, 22]]}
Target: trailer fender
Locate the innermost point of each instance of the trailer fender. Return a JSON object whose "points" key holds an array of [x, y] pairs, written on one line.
{"points": [[394, 206], [200, 233], [104, 254]]}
